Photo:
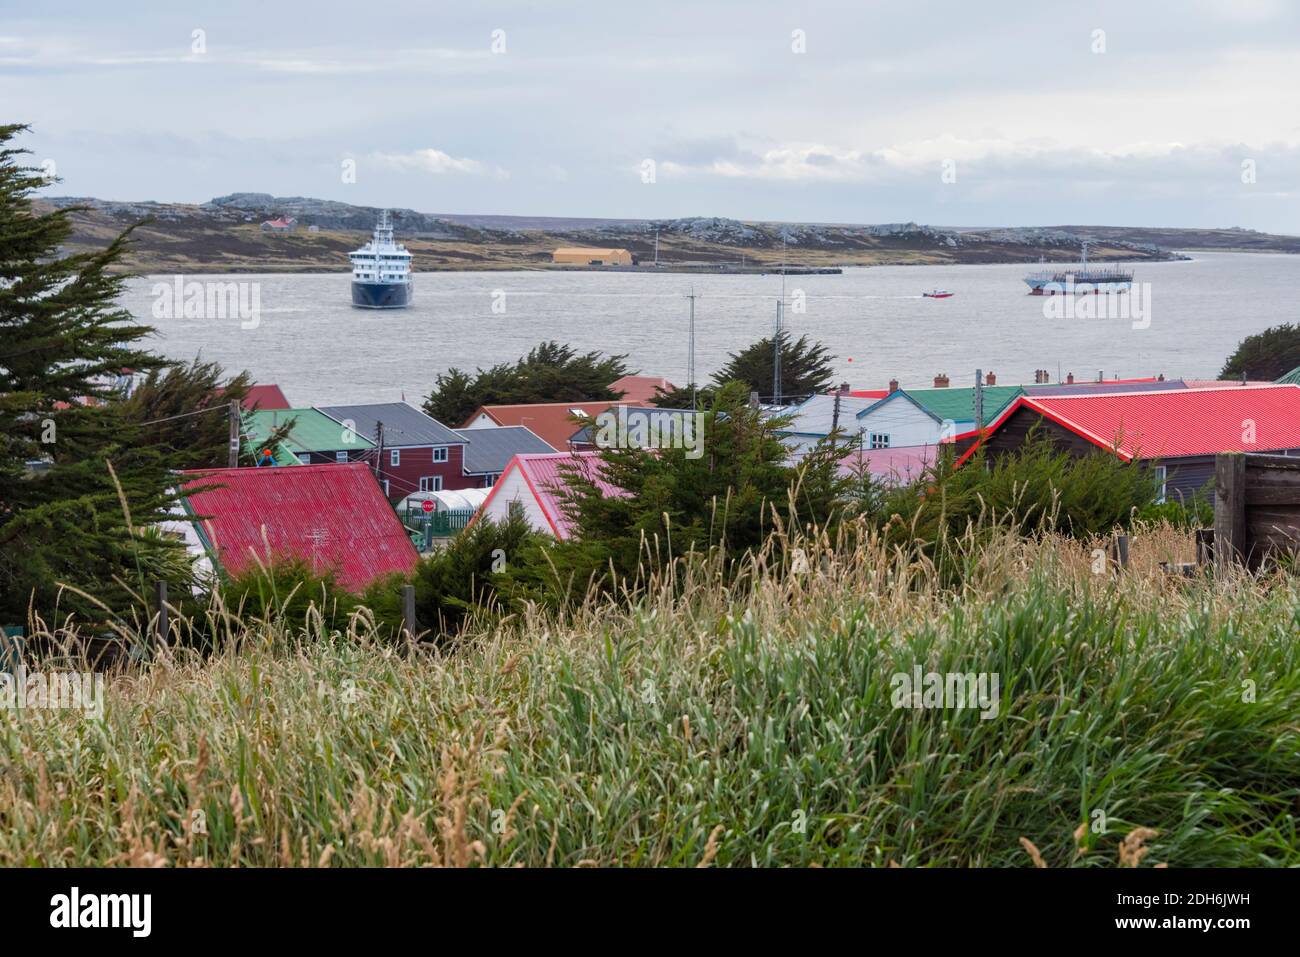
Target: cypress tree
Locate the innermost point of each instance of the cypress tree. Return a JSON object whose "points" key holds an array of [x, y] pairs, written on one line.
{"points": [[79, 482]]}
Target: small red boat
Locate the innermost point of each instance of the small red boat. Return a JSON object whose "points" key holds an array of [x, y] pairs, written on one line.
{"points": [[937, 294]]}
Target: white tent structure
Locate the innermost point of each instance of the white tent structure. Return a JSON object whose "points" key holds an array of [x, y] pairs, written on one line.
{"points": [[465, 499]]}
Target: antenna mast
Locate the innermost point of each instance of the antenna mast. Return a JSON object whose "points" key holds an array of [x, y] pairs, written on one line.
{"points": [[776, 339], [690, 350]]}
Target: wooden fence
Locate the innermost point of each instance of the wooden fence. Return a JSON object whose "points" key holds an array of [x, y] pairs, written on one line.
{"points": [[1256, 508]]}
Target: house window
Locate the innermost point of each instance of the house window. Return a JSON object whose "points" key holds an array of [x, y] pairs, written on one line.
{"points": [[879, 440], [386, 492], [490, 480], [395, 457], [431, 483], [440, 454], [340, 456], [1162, 477], [304, 457]]}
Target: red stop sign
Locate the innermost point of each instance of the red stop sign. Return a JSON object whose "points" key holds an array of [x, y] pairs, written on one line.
{"points": [[427, 505]]}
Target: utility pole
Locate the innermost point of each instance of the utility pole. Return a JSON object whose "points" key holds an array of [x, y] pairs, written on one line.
{"points": [[379, 451], [979, 399], [690, 350], [835, 414], [234, 435]]}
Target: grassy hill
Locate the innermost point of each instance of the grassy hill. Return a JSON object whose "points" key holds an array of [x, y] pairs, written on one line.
{"points": [[224, 235]]}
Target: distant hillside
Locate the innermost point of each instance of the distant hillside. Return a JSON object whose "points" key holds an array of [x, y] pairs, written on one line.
{"points": [[225, 235]]}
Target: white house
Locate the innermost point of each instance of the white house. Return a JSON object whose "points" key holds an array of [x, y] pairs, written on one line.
{"points": [[898, 420], [812, 419]]}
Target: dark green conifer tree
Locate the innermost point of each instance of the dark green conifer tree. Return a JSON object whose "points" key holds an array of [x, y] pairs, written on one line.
{"points": [[79, 482]]}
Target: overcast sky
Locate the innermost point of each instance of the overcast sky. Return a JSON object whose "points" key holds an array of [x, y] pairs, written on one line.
{"points": [[950, 113]]}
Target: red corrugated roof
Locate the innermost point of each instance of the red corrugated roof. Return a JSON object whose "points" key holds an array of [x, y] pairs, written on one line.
{"points": [[1176, 423], [265, 397], [334, 516], [552, 422], [640, 388]]}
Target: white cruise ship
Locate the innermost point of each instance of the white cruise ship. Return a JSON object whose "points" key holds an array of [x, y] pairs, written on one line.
{"points": [[381, 270]]}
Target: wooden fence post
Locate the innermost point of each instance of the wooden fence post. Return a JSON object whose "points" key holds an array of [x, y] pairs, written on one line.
{"points": [[160, 599], [1204, 546], [1120, 550], [408, 611], [1229, 508]]}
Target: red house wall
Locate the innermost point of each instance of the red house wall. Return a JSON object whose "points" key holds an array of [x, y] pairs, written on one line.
{"points": [[416, 463]]}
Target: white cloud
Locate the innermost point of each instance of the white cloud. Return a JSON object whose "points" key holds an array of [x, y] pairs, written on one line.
{"points": [[435, 162]]}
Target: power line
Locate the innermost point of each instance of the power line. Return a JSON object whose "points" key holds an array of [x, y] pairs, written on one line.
{"points": [[183, 415]]}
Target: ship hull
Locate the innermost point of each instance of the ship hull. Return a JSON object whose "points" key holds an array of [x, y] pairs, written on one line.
{"points": [[381, 295], [1055, 287]]}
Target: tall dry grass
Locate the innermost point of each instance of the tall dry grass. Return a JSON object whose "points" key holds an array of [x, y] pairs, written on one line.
{"points": [[711, 718]]}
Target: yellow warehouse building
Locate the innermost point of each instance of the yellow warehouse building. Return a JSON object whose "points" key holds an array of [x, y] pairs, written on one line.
{"points": [[590, 256]]}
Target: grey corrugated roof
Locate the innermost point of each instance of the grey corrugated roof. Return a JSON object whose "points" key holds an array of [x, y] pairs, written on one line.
{"points": [[404, 425], [491, 449], [814, 416], [1103, 388]]}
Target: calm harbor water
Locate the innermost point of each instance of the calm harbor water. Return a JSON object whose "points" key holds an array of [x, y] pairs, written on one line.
{"points": [[310, 341]]}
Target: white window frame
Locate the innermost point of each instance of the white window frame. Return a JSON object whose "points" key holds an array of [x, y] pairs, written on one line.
{"points": [[440, 453], [1162, 474], [394, 458], [430, 483], [340, 456], [877, 440], [491, 479]]}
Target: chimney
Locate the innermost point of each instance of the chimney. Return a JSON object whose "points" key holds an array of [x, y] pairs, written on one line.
{"points": [[941, 381], [990, 379], [893, 385], [844, 388], [1160, 377], [1101, 376], [1069, 379]]}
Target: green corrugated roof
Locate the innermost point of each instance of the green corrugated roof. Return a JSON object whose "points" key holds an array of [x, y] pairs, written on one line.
{"points": [[1291, 378], [312, 431], [959, 404]]}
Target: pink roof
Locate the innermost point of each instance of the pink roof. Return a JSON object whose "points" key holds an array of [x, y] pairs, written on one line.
{"points": [[265, 397], [335, 517], [546, 474], [1176, 423], [897, 465], [1222, 383], [640, 388]]}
